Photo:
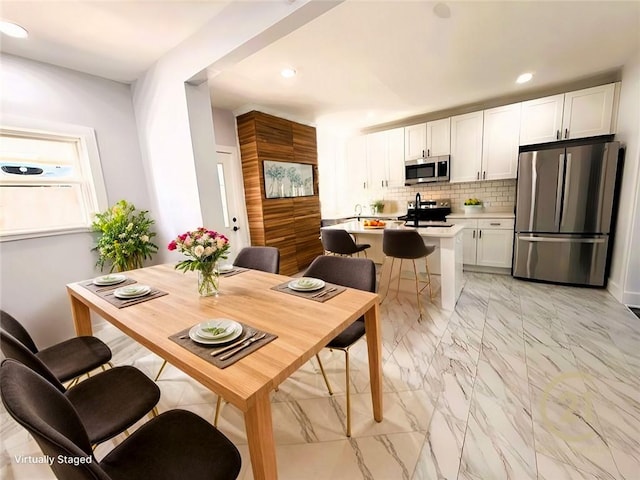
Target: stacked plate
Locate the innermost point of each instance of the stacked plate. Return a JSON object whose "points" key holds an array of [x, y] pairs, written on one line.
{"points": [[111, 279], [306, 284], [132, 291], [216, 331], [225, 268]]}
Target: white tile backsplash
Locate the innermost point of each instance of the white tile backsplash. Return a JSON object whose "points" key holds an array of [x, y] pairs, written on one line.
{"points": [[496, 195]]}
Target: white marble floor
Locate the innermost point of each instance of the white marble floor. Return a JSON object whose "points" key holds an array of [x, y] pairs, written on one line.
{"points": [[521, 381]]}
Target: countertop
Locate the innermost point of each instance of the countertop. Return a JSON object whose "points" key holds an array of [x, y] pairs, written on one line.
{"points": [[481, 215], [349, 216], [433, 232]]}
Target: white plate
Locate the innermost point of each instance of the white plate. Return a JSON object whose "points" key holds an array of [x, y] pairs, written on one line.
{"points": [[132, 291], [230, 327], [193, 334], [225, 268], [306, 284], [111, 279]]}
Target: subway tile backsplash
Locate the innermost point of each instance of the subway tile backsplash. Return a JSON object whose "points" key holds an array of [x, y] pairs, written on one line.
{"points": [[496, 195]]}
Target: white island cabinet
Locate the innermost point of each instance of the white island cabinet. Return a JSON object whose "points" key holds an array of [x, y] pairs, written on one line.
{"points": [[448, 243]]}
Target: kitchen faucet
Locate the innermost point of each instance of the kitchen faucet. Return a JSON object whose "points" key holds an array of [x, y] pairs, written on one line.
{"points": [[415, 210], [358, 210]]}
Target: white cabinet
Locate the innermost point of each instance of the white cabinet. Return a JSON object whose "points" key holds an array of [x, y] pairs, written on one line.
{"points": [[486, 242], [429, 139], [500, 142], [579, 114], [357, 173], [385, 158], [466, 147]]}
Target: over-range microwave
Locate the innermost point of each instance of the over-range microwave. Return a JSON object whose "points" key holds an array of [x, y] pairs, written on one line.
{"points": [[426, 170]]}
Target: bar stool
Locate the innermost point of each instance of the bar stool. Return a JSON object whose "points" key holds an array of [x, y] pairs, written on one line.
{"points": [[339, 242], [406, 244]]}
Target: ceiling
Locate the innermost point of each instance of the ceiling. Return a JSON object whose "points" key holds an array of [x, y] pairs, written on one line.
{"points": [[361, 63]]}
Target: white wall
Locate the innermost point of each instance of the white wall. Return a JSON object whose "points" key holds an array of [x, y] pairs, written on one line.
{"points": [[161, 106], [624, 281], [34, 272], [224, 124]]}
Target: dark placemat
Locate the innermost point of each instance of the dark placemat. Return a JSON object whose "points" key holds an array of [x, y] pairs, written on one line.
{"points": [[235, 271], [122, 303], [89, 285], [205, 351], [329, 290]]}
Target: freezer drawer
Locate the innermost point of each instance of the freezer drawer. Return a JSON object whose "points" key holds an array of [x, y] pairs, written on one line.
{"points": [[561, 258]]}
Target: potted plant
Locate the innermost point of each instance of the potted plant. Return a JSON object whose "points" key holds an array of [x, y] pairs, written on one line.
{"points": [[377, 206], [125, 237]]}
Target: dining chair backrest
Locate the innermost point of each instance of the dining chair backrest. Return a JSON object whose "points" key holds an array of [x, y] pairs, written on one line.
{"points": [[337, 241], [266, 259], [9, 324], [350, 272], [404, 244], [14, 349], [49, 416]]}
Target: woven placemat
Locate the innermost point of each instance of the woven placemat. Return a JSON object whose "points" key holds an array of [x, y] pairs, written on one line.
{"points": [[205, 351], [122, 303], [327, 292], [235, 271]]}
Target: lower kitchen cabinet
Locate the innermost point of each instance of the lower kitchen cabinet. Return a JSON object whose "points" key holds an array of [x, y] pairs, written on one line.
{"points": [[487, 242]]}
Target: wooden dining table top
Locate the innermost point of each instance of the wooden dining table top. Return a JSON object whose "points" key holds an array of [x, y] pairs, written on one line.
{"points": [[303, 326]]}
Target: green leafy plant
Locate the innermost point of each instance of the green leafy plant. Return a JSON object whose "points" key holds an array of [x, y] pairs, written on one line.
{"points": [[377, 206], [125, 237]]}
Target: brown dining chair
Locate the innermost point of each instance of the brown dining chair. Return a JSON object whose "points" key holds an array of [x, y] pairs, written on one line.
{"points": [[67, 360], [340, 242], [176, 444], [406, 244], [357, 273], [266, 259], [108, 403]]}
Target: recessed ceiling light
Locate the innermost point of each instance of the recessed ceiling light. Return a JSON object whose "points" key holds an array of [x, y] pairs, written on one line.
{"points": [[524, 78], [13, 30], [442, 10], [288, 72]]}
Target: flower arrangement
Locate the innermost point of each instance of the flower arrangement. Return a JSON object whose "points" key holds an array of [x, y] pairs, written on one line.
{"points": [[204, 247], [125, 237]]}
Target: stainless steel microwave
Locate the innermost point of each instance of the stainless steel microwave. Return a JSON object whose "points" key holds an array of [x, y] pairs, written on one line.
{"points": [[426, 170]]}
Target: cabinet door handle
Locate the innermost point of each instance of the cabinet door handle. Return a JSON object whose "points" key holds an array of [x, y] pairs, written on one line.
{"points": [[477, 175], [364, 184], [479, 233], [382, 183], [557, 134], [387, 182], [484, 175], [422, 153], [474, 234], [566, 133], [495, 224], [428, 152]]}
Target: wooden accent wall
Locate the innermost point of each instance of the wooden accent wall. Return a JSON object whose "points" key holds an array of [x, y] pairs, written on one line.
{"points": [[290, 224]]}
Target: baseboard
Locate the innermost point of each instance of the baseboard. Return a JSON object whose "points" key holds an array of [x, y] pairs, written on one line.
{"points": [[632, 299], [483, 269], [615, 290]]}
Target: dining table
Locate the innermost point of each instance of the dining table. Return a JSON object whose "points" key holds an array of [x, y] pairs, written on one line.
{"points": [[302, 326]]}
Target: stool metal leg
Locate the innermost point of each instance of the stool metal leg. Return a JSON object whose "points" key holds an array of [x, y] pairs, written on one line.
{"points": [[324, 375], [415, 273], [384, 262], [399, 275]]}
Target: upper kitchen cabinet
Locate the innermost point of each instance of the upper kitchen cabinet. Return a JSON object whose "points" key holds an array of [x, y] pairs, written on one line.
{"points": [[500, 142], [579, 114], [386, 167], [357, 172], [466, 147], [429, 139]]}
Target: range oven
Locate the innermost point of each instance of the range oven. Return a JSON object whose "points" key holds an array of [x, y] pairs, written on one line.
{"points": [[426, 170], [428, 213]]}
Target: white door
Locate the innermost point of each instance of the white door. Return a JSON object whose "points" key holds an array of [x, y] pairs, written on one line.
{"points": [[232, 196]]}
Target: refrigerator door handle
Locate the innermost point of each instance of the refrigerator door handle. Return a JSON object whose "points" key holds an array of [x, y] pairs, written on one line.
{"points": [[559, 193], [562, 240]]}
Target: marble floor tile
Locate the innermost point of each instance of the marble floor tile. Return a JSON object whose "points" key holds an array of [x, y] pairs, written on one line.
{"points": [[521, 381]]}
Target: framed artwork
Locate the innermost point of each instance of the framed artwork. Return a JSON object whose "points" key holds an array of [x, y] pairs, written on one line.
{"points": [[286, 179]]}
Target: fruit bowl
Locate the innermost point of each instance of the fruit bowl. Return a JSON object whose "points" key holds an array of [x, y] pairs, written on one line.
{"points": [[472, 208]]}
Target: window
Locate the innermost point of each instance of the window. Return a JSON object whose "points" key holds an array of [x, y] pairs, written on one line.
{"points": [[50, 179]]}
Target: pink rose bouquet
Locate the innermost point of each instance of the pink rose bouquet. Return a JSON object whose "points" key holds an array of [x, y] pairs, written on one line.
{"points": [[204, 247]]}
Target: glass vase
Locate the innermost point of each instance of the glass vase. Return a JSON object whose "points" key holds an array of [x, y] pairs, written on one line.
{"points": [[209, 280]]}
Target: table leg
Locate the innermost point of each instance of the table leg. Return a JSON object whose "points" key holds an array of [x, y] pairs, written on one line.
{"points": [[81, 317], [374, 347], [262, 448]]}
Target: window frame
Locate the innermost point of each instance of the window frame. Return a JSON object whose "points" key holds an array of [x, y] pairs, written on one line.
{"points": [[90, 168]]}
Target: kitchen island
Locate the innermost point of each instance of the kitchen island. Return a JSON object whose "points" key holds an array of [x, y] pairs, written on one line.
{"points": [[448, 243]]}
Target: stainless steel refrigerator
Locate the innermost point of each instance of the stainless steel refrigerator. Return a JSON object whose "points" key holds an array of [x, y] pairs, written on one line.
{"points": [[564, 206]]}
